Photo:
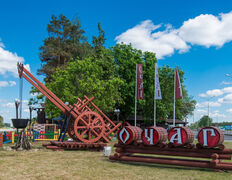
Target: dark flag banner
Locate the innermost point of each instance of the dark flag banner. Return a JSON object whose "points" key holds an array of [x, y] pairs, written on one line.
{"points": [[140, 93]]}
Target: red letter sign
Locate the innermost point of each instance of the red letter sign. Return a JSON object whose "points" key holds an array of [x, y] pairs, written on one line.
{"points": [[129, 134], [180, 135], [154, 135], [210, 137]]}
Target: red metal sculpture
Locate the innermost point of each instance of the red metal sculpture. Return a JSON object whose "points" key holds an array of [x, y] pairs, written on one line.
{"points": [[87, 124]]}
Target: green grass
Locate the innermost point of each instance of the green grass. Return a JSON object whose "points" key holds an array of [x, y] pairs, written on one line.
{"points": [[46, 164]]}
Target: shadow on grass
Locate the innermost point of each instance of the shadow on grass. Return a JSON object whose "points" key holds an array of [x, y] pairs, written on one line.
{"points": [[8, 155], [165, 166]]}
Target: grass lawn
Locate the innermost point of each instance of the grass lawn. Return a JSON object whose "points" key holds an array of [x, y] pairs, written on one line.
{"points": [[46, 164]]}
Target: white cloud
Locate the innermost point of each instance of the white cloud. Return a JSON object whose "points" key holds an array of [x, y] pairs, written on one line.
{"points": [[226, 99], [12, 104], [226, 83], [227, 90], [210, 103], [25, 102], [200, 111], [12, 83], [212, 93], [208, 30], [1, 44], [229, 110], [9, 105], [25, 110], [35, 94], [202, 95], [216, 92], [7, 84], [163, 43], [205, 30], [8, 61], [217, 115], [214, 104]]}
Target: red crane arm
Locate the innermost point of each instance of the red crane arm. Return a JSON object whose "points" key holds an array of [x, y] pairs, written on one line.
{"points": [[44, 90]]}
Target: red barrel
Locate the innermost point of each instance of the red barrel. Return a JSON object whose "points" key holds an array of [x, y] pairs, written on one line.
{"points": [[180, 136], [154, 135], [129, 134], [210, 137]]}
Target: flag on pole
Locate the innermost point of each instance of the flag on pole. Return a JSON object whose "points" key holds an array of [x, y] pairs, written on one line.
{"points": [[140, 93], [157, 94], [157, 84], [178, 86]]}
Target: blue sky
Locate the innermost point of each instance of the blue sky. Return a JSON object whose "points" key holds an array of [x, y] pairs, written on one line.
{"points": [[196, 35]]}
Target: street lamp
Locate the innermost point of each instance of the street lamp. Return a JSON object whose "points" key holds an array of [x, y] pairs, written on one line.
{"points": [[208, 106], [117, 112], [31, 108], [17, 103], [209, 102]]}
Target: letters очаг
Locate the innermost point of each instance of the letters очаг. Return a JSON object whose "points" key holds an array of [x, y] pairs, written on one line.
{"points": [[207, 137]]}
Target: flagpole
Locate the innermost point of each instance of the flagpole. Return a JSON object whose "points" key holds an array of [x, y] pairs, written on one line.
{"points": [[136, 95], [154, 113], [174, 111], [154, 102]]}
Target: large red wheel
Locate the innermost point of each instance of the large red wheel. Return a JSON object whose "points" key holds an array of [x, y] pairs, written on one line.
{"points": [[89, 127]]}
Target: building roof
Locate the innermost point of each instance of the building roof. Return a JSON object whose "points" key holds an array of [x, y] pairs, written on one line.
{"points": [[177, 121], [168, 121]]}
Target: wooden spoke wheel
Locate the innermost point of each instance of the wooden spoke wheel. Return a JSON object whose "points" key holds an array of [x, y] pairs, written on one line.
{"points": [[89, 127]]}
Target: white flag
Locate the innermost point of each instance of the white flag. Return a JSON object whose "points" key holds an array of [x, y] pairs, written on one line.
{"points": [[157, 84]]}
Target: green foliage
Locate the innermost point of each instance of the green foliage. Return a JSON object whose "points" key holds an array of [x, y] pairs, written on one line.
{"points": [[73, 68], [205, 121], [86, 77], [222, 123], [194, 126], [184, 106], [1, 121], [65, 42], [126, 59], [38, 96], [6, 124], [99, 41]]}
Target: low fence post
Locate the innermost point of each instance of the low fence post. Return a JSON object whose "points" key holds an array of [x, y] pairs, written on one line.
{"points": [[13, 137], [33, 135], [4, 136], [1, 139]]}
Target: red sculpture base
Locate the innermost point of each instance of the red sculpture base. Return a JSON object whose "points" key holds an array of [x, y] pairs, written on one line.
{"points": [[70, 145], [214, 156]]}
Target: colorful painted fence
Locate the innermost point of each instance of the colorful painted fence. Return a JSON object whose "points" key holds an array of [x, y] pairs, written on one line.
{"points": [[12, 137], [1, 139], [45, 136]]}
